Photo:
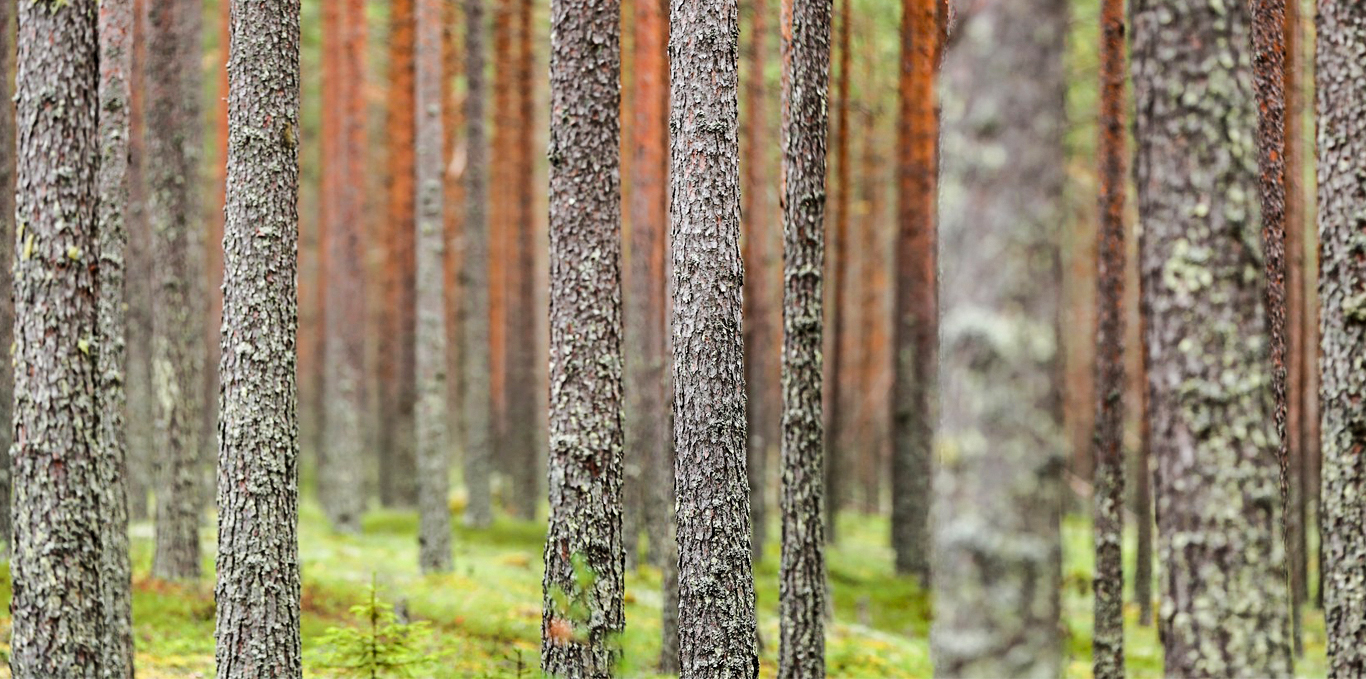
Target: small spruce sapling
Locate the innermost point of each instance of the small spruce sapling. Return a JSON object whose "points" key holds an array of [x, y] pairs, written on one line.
{"points": [[382, 647]]}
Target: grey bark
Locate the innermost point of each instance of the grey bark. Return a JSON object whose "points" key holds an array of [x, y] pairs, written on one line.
{"points": [[584, 555], [997, 490], [57, 605], [1342, 183], [138, 375], [716, 618], [478, 414], [802, 586], [116, 51], [7, 164], [1224, 605], [177, 355], [257, 593], [433, 482]]}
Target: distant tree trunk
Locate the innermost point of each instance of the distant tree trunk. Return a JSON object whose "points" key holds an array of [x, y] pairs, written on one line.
{"points": [[1341, 168], [57, 607], [760, 335], [584, 561], [478, 455], [716, 616], [453, 126], [523, 396], [1143, 553], [257, 629], [802, 587], [501, 195], [1295, 331], [116, 43], [915, 324], [141, 421], [1205, 331], [839, 272], [1108, 440], [998, 488], [873, 316], [7, 166], [177, 353]]}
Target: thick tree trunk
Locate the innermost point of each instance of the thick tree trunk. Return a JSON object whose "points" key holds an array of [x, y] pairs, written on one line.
{"points": [[1209, 375], [716, 617], [802, 586], [915, 324], [177, 351], [584, 560], [1341, 168], [116, 43], [834, 414], [998, 489], [1107, 647], [478, 427], [257, 629], [57, 607], [7, 166]]}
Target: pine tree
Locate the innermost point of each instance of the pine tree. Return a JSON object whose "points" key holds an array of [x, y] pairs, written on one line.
{"points": [[141, 421], [838, 271], [584, 560], [998, 488], [1209, 377], [478, 425], [57, 605], [257, 594]]}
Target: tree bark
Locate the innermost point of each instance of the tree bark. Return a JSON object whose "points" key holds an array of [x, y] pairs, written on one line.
{"points": [[1209, 375], [57, 607], [839, 272], [584, 558], [1295, 330], [115, 58], [716, 618], [257, 594], [478, 427], [177, 351], [454, 155], [998, 488], [915, 325], [1341, 155], [138, 378], [7, 168], [802, 585]]}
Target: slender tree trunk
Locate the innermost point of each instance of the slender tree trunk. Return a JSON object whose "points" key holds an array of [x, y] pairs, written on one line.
{"points": [[141, 421], [177, 355], [1143, 517], [7, 167], [716, 617], [998, 491], [57, 606], [1341, 159], [257, 628], [116, 43], [802, 586], [505, 127], [1210, 408], [584, 560], [839, 271], [1295, 335], [478, 454], [874, 317], [915, 325], [1108, 636], [453, 125], [760, 335]]}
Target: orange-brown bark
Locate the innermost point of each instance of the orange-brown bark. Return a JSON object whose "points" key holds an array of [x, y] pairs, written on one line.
{"points": [[835, 292], [452, 59], [1295, 330], [505, 128]]}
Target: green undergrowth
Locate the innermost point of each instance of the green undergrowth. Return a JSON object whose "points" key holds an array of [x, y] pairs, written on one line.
{"points": [[484, 617]]}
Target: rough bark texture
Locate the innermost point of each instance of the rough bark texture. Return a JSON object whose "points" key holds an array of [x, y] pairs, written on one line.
{"points": [[258, 554], [1107, 647], [838, 270], [997, 491], [1224, 602], [761, 374], [433, 462], [177, 339], [584, 560], [116, 43], [57, 606], [1342, 291], [7, 163], [802, 586], [716, 618], [478, 427], [915, 325]]}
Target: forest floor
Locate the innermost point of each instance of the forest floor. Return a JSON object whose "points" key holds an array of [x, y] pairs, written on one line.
{"points": [[485, 617]]}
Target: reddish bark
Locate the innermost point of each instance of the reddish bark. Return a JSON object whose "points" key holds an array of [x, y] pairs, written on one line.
{"points": [[835, 369]]}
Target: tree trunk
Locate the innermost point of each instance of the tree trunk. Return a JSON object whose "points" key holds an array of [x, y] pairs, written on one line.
{"points": [[478, 456], [453, 126], [141, 421], [584, 582], [1341, 159], [7, 167], [915, 325], [57, 606], [761, 375], [802, 586], [716, 618], [998, 489], [116, 42], [839, 271], [1107, 648], [257, 628], [1209, 372], [1295, 330], [505, 127], [177, 351]]}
